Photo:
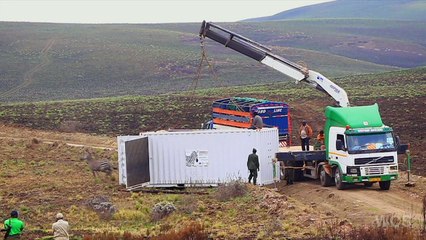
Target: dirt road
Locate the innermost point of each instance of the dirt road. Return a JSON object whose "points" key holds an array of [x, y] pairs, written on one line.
{"points": [[72, 139], [360, 205]]}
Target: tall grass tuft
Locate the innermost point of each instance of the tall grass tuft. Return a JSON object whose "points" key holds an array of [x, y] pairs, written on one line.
{"points": [[191, 231], [337, 230], [231, 190]]}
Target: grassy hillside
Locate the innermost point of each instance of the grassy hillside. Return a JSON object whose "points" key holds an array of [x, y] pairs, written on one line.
{"points": [[41, 62], [400, 94], [395, 43], [412, 10], [42, 175], [129, 115]]}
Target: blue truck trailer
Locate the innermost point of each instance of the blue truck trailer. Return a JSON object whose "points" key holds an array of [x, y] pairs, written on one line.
{"points": [[238, 112]]}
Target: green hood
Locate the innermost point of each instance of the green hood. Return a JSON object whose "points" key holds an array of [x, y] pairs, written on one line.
{"points": [[355, 117]]}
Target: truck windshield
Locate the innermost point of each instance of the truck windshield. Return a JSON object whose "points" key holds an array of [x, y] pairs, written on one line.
{"points": [[371, 142]]}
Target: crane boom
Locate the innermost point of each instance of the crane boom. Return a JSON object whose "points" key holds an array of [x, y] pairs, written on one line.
{"points": [[265, 55]]}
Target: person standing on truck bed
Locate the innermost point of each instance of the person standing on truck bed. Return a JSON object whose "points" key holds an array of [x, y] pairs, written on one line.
{"points": [[253, 166], [257, 121], [305, 132]]}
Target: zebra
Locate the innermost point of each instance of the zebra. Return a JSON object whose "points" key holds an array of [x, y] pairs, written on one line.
{"points": [[97, 166]]}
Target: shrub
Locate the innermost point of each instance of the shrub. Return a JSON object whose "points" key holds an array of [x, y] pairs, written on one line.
{"points": [[192, 231], [385, 233], [102, 206], [188, 204], [162, 210], [70, 126], [339, 230], [231, 190], [113, 236]]}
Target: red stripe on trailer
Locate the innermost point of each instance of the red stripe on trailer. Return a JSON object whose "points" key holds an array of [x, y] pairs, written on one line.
{"points": [[231, 123]]}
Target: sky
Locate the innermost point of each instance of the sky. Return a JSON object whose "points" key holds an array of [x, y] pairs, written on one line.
{"points": [[142, 11]]}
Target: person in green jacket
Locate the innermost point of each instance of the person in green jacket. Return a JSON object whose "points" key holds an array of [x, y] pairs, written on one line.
{"points": [[253, 166], [13, 226]]}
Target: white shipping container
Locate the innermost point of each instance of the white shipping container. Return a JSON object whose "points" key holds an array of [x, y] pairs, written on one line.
{"points": [[196, 158]]}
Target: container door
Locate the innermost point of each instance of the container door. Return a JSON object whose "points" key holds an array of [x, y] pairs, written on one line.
{"points": [[137, 161]]}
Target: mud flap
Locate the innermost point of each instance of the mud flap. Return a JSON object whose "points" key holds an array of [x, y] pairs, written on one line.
{"points": [[328, 169]]}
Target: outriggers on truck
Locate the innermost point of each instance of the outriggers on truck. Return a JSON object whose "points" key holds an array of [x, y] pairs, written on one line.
{"points": [[359, 147]]}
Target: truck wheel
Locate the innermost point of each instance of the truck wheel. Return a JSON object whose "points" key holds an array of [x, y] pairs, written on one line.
{"points": [[368, 184], [325, 179], [385, 185], [338, 179]]}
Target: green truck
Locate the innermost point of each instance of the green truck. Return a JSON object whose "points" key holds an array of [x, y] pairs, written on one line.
{"points": [[359, 147]]}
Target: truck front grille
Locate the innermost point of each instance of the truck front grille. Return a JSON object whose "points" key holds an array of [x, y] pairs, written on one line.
{"points": [[379, 170], [372, 160]]}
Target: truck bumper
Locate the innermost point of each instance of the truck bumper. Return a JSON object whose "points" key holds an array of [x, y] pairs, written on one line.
{"points": [[360, 179]]}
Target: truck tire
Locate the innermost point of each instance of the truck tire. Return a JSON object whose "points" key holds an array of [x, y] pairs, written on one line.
{"points": [[325, 179], [385, 185], [338, 179], [368, 184]]}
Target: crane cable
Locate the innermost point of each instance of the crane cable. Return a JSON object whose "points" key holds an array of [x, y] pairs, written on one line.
{"points": [[204, 57], [196, 80]]}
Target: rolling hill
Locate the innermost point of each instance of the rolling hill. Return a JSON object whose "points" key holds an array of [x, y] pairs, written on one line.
{"points": [[129, 115], [407, 10], [400, 95], [44, 61]]}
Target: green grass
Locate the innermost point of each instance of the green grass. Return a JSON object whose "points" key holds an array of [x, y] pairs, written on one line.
{"points": [[132, 114]]}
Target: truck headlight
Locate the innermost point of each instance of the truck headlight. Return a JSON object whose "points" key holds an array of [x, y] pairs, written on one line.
{"points": [[393, 168], [352, 170]]}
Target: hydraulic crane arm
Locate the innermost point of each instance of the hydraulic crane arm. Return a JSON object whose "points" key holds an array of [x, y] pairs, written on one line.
{"points": [[264, 55]]}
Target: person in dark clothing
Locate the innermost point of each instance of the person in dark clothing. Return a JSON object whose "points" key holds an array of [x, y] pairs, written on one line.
{"points": [[253, 166]]}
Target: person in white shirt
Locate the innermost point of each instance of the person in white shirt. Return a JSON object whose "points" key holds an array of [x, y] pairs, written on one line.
{"points": [[60, 228], [305, 133], [257, 121]]}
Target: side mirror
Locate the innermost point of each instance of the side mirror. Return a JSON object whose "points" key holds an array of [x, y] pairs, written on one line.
{"points": [[402, 148], [397, 142], [339, 145]]}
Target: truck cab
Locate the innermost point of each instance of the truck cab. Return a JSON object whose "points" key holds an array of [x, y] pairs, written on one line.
{"points": [[359, 147]]}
